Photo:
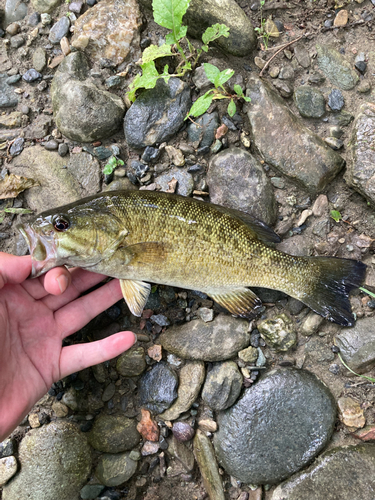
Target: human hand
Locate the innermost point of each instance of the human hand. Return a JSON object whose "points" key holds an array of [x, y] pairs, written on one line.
{"points": [[35, 316]]}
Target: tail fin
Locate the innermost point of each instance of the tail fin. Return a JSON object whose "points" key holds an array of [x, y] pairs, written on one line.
{"points": [[330, 298]]}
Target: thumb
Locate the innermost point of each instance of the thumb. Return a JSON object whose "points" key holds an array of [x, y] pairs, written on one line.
{"points": [[14, 269]]}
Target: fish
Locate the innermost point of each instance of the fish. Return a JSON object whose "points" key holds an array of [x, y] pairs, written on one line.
{"points": [[143, 237]]}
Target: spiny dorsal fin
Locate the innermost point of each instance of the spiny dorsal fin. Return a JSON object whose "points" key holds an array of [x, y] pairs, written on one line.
{"points": [[135, 294], [239, 301]]}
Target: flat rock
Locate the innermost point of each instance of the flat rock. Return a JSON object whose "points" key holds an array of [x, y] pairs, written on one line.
{"points": [[309, 101], [59, 457], [218, 340], [114, 434], [360, 173], [345, 473], [8, 467], [8, 98], [237, 180], [132, 362], [45, 6], [222, 386], [157, 388], [277, 427], [202, 131], [336, 68], [14, 11], [289, 146], [59, 30], [112, 30], [113, 470], [357, 345], [205, 456], [185, 181], [81, 110], [157, 114]]}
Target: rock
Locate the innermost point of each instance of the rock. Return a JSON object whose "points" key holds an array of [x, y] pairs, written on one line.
{"points": [[334, 143], [360, 173], [181, 452], [132, 362], [311, 323], [351, 413], [83, 112], [286, 72], [342, 119], [111, 29], [202, 131], [31, 75], [336, 100], [222, 386], [59, 456], [39, 59], [311, 163], [278, 332], [8, 467], [157, 114], [320, 206], [286, 418], [149, 448], [205, 314], [200, 79], [86, 169], [14, 11], [59, 409], [8, 98], [45, 6], [17, 41], [235, 167], [191, 380], [248, 355], [336, 68], [318, 352], [91, 491], [157, 388], [364, 87], [6, 448], [182, 431], [357, 345], [205, 456], [283, 88], [113, 470], [176, 156], [59, 30], [17, 146], [335, 474], [310, 102], [109, 392], [365, 434], [341, 18], [34, 19], [218, 340], [147, 427], [361, 66], [302, 56], [113, 434], [13, 120], [185, 181], [63, 149]]}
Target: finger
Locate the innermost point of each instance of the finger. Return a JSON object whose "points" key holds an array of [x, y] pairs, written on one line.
{"points": [[78, 357], [54, 282], [82, 310], [14, 269]]}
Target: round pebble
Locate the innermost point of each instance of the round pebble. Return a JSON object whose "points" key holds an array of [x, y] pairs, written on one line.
{"points": [[182, 431], [31, 75], [63, 149]]}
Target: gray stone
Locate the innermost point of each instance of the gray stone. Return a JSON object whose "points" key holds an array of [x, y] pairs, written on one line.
{"points": [[222, 386], [39, 59], [342, 119], [310, 102], [237, 180], [289, 146], [114, 434], [279, 332], [302, 55], [82, 111], [205, 456], [202, 131], [283, 88], [157, 114], [185, 181], [132, 362], [113, 470], [8, 98], [318, 352], [276, 428], [59, 456], [6, 448], [34, 19], [157, 388], [91, 491], [200, 78], [336, 68], [357, 345], [8, 467], [17, 146], [59, 30], [360, 173], [63, 149], [14, 11], [45, 6], [336, 100], [17, 41], [218, 340], [50, 145], [334, 143], [344, 473], [86, 169], [316, 78], [31, 75], [286, 73]]}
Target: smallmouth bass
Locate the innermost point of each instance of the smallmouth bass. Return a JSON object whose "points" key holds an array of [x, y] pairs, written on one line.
{"points": [[142, 236]]}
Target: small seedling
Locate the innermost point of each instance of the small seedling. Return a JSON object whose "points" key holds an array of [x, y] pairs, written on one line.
{"points": [[112, 164], [262, 31], [336, 216]]}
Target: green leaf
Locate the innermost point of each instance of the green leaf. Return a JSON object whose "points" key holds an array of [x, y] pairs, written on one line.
{"points": [[205, 48], [367, 291], [247, 99], [147, 80], [214, 32], [169, 14], [211, 71], [238, 90], [223, 77], [231, 108], [18, 211], [153, 52], [336, 216], [201, 105]]}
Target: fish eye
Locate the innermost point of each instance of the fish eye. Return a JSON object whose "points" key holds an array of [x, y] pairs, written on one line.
{"points": [[61, 224]]}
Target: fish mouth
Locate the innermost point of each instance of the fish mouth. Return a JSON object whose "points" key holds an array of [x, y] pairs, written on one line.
{"points": [[42, 249]]}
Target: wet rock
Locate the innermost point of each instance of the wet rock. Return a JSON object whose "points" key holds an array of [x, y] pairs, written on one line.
{"points": [[342, 119], [310, 102], [361, 66], [311, 323], [91, 491], [310, 162], [58, 454], [360, 173], [8, 467], [182, 453], [205, 456], [182, 431], [357, 345], [157, 388], [63, 149], [8, 98], [336, 68], [278, 332], [157, 114], [114, 434], [286, 418], [233, 168], [338, 472], [218, 340], [82, 111], [45, 6], [191, 380], [113, 470], [39, 59], [302, 56], [336, 100], [202, 131], [185, 181], [59, 30], [132, 362], [351, 413], [14, 11], [222, 386], [111, 29]]}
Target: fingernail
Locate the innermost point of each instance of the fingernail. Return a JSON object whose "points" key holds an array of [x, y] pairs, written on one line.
{"points": [[135, 337], [62, 281]]}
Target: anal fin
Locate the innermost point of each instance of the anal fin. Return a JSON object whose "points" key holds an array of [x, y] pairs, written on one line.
{"points": [[135, 294], [239, 301]]}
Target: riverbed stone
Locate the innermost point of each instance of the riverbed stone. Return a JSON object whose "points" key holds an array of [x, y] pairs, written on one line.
{"points": [[132, 362], [201, 132], [288, 145], [309, 101], [185, 181], [222, 385], [279, 332], [8, 467], [205, 456], [237, 180], [287, 418], [59, 457], [157, 114], [218, 340], [45, 6], [113, 470], [81, 110], [59, 30], [8, 98], [14, 11], [357, 345], [347, 472], [157, 388], [336, 68], [360, 173], [114, 434]]}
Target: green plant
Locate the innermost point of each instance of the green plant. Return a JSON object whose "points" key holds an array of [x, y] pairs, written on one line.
{"points": [[367, 291], [262, 29], [352, 371], [336, 216], [112, 164], [20, 211]]}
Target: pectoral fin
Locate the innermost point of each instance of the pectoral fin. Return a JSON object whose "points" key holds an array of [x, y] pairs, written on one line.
{"points": [[239, 301], [135, 294], [149, 252]]}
